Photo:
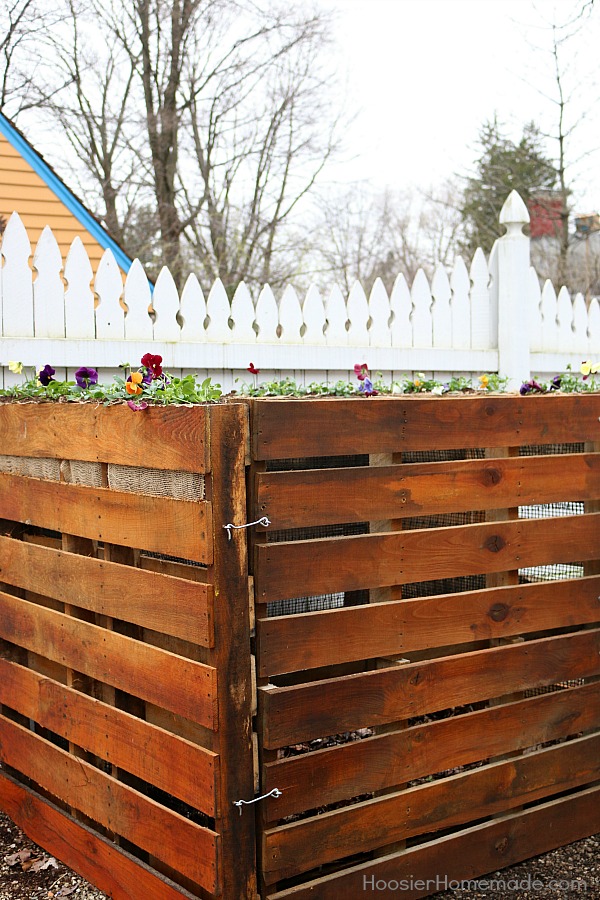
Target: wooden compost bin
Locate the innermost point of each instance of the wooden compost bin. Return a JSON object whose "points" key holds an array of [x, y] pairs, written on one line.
{"points": [[426, 649], [125, 677], [448, 552]]}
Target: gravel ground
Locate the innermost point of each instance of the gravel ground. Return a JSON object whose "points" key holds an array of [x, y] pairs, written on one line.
{"points": [[29, 873]]}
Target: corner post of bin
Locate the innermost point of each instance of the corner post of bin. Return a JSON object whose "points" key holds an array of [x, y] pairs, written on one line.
{"points": [[228, 437]]}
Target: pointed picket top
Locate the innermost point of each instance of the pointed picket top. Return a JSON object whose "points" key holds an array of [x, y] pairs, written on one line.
{"points": [[401, 309], [165, 301], [514, 215], [534, 293], [594, 328], [17, 287], [493, 288], [460, 305], [480, 301], [48, 288], [422, 324], [358, 316], [267, 316], [218, 310], [79, 297], [242, 315], [336, 333], [580, 323], [290, 317], [379, 308], [108, 285], [192, 310], [137, 297], [441, 315], [314, 317], [549, 321], [564, 317]]}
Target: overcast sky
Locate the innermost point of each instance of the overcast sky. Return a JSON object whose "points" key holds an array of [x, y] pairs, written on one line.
{"points": [[425, 75]]}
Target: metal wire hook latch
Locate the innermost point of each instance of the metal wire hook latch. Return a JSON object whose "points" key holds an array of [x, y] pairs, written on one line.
{"points": [[263, 521], [274, 793]]}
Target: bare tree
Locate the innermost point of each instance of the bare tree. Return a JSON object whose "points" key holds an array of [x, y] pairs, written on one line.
{"points": [[24, 25], [214, 113]]}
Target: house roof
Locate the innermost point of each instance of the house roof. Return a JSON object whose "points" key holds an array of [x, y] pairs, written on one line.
{"points": [[29, 196]]}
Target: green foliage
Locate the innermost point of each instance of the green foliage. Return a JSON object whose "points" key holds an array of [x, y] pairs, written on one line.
{"points": [[502, 166]]}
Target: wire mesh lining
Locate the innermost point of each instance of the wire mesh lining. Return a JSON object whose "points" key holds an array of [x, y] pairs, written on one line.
{"points": [[31, 467], [158, 483], [133, 479]]}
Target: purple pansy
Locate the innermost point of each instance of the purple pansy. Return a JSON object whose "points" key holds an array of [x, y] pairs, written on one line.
{"points": [[85, 377], [136, 406], [45, 375]]}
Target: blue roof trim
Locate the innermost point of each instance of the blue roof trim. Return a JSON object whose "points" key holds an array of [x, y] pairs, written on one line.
{"points": [[63, 193]]}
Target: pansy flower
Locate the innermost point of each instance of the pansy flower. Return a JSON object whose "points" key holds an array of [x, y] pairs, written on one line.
{"points": [[588, 368], [133, 383], [366, 387], [136, 406], [45, 375], [253, 370], [85, 377], [16, 367], [361, 370], [152, 363]]}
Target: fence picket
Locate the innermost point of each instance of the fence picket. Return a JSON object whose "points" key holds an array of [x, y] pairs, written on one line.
{"points": [[441, 316], [110, 318], [379, 308], [17, 315], [549, 320], [401, 309], [564, 316], [313, 313], [460, 305], [580, 322], [337, 315], [358, 316], [79, 297], [594, 325], [48, 288], [267, 316], [290, 317], [192, 311], [138, 324], [242, 316], [479, 275], [165, 301], [534, 293], [218, 310], [421, 315]]}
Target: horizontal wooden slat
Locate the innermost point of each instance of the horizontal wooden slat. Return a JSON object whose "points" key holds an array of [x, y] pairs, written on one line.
{"points": [[163, 833], [173, 437], [329, 496], [468, 854], [320, 708], [159, 524], [498, 787], [299, 568], [165, 604], [180, 685], [298, 428], [99, 860], [174, 765], [315, 779], [328, 637]]}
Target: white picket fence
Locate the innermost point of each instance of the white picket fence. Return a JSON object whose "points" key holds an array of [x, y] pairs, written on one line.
{"points": [[492, 317]]}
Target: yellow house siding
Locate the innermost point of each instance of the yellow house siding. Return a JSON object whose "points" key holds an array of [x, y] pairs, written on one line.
{"points": [[23, 190]]}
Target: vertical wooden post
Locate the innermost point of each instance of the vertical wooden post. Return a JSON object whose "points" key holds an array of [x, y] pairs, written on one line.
{"points": [[232, 658]]}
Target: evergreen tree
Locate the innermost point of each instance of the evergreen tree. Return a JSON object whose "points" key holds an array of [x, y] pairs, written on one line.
{"points": [[501, 167]]}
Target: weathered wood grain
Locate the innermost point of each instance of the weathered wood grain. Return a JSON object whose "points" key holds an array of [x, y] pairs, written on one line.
{"points": [[162, 438], [432, 866], [328, 637], [99, 860], [303, 498], [159, 524], [177, 684], [162, 832], [175, 606], [150, 753], [298, 568], [337, 773], [320, 708], [301, 846], [296, 428]]}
